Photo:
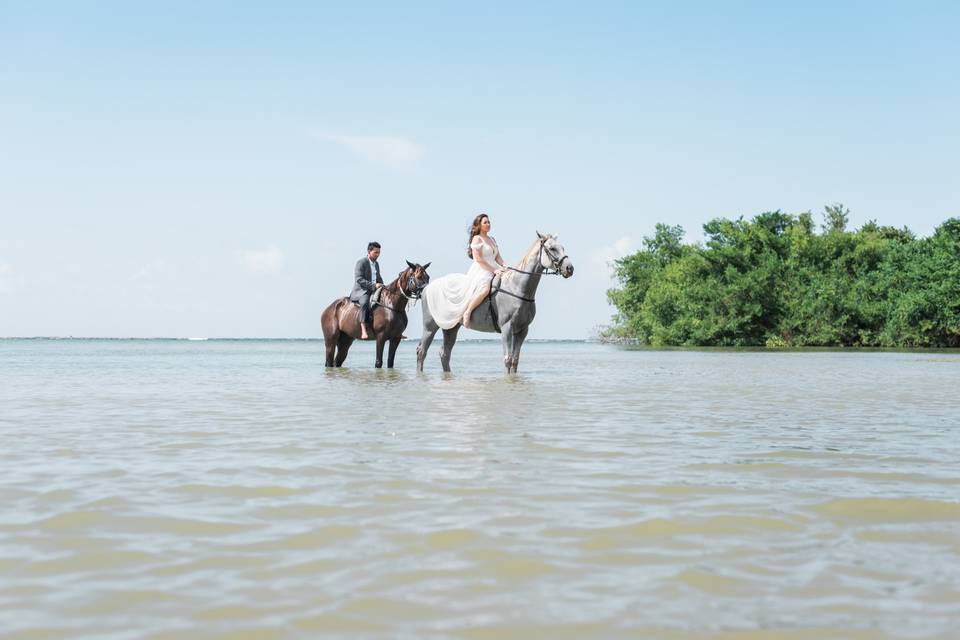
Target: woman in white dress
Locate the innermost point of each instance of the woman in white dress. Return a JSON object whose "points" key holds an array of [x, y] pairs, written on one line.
{"points": [[452, 298]]}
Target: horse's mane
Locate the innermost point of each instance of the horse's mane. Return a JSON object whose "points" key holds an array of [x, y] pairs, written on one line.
{"points": [[534, 249], [394, 287]]}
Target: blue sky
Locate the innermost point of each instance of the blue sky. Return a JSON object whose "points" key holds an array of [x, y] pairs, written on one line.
{"points": [[177, 170]]}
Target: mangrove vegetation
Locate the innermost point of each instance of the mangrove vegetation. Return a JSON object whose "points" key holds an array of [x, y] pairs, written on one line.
{"points": [[778, 280]]}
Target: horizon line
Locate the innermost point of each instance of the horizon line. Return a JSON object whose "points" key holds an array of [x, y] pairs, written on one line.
{"points": [[224, 338]]}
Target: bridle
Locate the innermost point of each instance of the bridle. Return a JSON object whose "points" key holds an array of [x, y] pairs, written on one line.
{"points": [[413, 285], [555, 263]]}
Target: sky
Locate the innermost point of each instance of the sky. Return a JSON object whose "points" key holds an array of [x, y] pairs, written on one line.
{"points": [[215, 169]]}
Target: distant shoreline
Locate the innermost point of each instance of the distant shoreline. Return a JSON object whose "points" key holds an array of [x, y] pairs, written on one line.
{"points": [[625, 344], [315, 339]]}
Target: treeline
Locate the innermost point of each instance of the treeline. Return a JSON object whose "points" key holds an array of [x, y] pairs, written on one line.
{"points": [[778, 281]]}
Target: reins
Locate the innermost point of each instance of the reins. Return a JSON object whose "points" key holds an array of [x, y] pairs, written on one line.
{"points": [[499, 290], [556, 271], [416, 295]]}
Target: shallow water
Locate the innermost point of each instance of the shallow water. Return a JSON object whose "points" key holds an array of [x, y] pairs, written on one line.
{"points": [[173, 489]]}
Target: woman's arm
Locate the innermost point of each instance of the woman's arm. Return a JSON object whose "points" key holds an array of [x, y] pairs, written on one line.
{"points": [[478, 257], [496, 253]]}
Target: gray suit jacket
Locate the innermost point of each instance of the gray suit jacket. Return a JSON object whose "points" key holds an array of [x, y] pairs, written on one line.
{"points": [[363, 280]]}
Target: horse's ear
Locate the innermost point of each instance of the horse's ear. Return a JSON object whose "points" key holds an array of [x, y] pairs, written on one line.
{"points": [[411, 265], [540, 236], [426, 266]]}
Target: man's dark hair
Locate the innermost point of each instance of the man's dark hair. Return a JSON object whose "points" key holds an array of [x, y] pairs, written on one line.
{"points": [[373, 245]]}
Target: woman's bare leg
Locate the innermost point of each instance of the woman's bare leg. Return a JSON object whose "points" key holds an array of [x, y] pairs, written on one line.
{"points": [[480, 297]]}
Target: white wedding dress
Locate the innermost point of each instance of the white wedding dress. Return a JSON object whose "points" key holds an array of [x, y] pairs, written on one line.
{"points": [[448, 296]]}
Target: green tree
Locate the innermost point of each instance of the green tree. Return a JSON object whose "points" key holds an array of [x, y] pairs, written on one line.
{"points": [[773, 280], [835, 218]]}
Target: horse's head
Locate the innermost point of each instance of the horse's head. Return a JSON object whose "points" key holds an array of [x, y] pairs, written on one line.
{"points": [[414, 278], [554, 256]]}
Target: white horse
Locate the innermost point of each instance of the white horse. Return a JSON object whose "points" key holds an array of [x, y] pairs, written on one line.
{"points": [[509, 309]]}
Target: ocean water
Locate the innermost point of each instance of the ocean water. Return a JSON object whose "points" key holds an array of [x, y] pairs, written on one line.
{"points": [[239, 489]]}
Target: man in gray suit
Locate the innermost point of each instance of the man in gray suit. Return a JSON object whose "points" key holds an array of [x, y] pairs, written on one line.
{"points": [[366, 280]]}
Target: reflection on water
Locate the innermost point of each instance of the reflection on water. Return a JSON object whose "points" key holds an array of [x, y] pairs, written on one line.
{"points": [[183, 489]]}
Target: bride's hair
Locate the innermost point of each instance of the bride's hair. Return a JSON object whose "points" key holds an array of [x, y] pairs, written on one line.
{"points": [[475, 231]]}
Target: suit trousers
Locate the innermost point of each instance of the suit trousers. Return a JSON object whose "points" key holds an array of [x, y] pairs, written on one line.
{"points": [[364, 301]]}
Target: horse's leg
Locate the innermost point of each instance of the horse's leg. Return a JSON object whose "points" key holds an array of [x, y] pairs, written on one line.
{"points": [[331, 345], [394, 343], [449, 339], [343, 346], [518, 339], [424, 346], [506, 339], [381, 340], [328, 324]]}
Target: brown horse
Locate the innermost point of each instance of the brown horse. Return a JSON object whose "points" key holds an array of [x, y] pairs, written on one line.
{"points": [[341, 320]]}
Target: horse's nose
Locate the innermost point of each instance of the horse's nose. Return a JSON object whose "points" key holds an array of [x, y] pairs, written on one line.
{"points": [[568, 271]]}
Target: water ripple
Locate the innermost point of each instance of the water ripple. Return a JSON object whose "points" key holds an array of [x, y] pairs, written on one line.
{"points": [[167, 489]]}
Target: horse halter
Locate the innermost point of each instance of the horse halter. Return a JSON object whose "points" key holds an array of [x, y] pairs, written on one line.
{"points": [[414, 286], [415, 292], [554, 262]]}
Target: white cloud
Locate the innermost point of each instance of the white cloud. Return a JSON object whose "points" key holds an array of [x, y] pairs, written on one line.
{"points": [[393, 151], [8, 279], [269, 260], [606, 255], [600, 266], [155, 268]]}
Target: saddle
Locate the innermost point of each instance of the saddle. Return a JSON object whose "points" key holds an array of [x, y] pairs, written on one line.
{"points": [[374, 300]]}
